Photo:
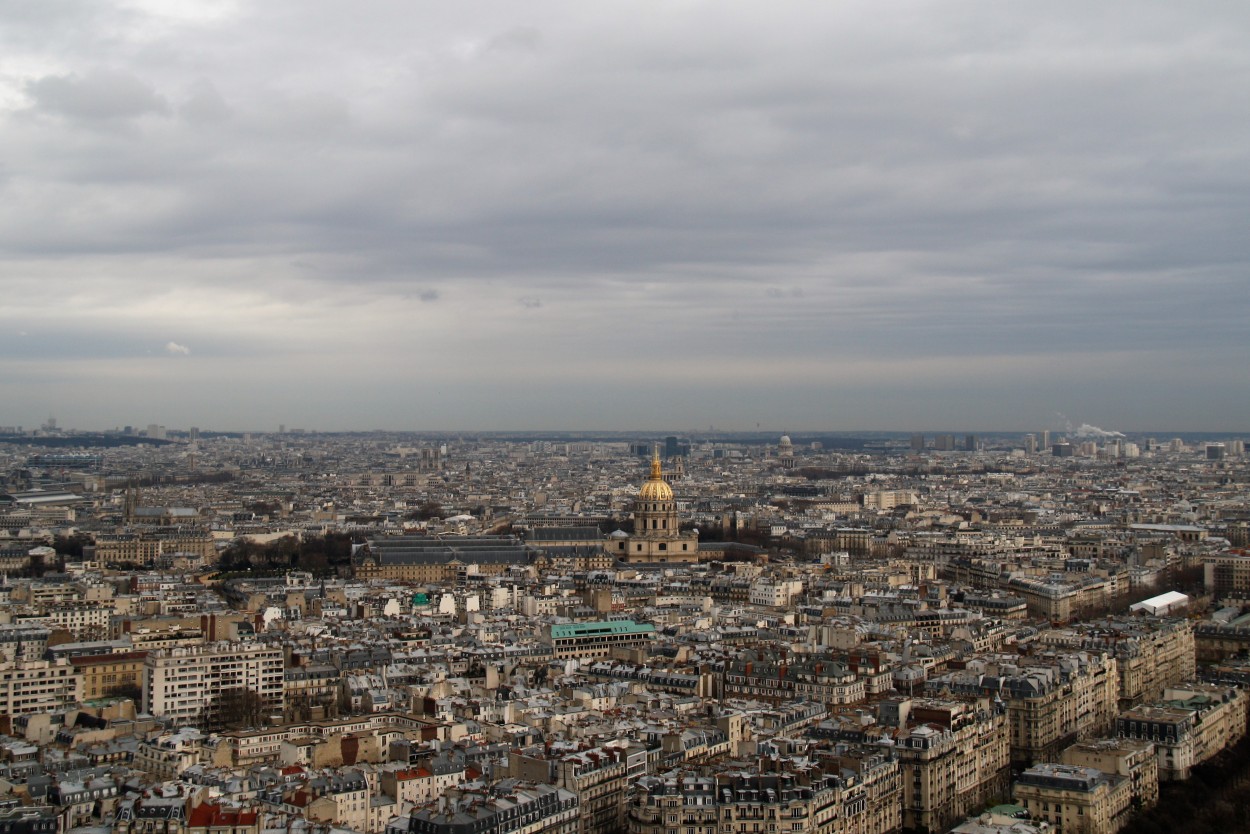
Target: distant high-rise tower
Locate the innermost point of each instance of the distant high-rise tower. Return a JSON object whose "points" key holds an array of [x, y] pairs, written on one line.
{"points": [[1030, 444], [970, 443], [917, 442], [1045, 438]]}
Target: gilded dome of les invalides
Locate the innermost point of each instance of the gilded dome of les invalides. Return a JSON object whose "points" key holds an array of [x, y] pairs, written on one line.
{"points": [[656, 488]]}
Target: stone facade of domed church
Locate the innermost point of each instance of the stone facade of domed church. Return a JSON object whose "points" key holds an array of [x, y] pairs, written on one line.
{"points": [[657, 536]]}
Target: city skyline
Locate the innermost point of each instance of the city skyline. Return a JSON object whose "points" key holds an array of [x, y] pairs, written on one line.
{"points": [[554, 215], [1083, 437]]}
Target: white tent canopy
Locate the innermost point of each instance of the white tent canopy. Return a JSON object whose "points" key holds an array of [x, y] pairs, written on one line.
{"points": [[1162, 604]]}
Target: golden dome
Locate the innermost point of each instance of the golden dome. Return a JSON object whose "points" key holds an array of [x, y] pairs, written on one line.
{"points": [[656, 488]]}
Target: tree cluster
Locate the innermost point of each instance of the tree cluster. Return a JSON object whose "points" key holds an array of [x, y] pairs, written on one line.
{"points": [[70, 547], [236, 709], [1214, 798], [427, 511], [318, 554], [38, 566]]}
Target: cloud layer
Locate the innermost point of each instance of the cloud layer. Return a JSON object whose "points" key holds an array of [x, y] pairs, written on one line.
{"points": [[624, 215]]}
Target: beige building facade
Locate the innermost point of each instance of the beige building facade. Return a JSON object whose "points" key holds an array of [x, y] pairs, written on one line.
{"points": [[1076, 800], [28, 686]]}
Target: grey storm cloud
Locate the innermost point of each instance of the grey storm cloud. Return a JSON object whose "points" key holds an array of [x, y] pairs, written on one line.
{"points": [[1012, 206], [100, 94]]}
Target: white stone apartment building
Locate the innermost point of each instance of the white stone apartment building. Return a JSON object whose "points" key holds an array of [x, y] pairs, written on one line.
{"points": [[186, 683], [775, 593]]}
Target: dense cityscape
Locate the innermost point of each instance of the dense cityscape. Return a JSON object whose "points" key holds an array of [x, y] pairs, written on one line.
{"points": [[662, 417], [391, 633]]}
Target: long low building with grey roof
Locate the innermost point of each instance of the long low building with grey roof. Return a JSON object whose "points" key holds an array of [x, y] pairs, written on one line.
{"points": [[439, 559]]}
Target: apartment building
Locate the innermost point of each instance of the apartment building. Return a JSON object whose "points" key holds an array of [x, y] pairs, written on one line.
{"points": [[1131, 758], [422, 782], [186, 684], [149, 546], [1151, 654], [1188, 727], [28, 686], [859, 796], [1051, 701], [23, 641], [163, 636], [888, 499], [1227, 575], [597, 639], [598, 776], [774, 593], [344, 802], [169, 754], [310, 688], [1076, 800], [37, 819], [42, 593], [1060, 598], [105, 675], [954, 757], [511, 807], [84, 620], [783, 680], [872, 792]]}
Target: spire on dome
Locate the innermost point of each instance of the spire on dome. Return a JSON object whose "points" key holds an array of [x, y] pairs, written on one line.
{"points": [[656, 488]]}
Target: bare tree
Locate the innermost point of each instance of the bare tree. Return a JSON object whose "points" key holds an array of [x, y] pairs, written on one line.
{"points": [[237, 709]]}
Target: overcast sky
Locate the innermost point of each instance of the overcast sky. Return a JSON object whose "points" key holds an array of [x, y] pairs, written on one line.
{"points": [[659, 215]]}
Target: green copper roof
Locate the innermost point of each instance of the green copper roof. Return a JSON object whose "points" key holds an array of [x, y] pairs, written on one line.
{"points": [[601, 628]]}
